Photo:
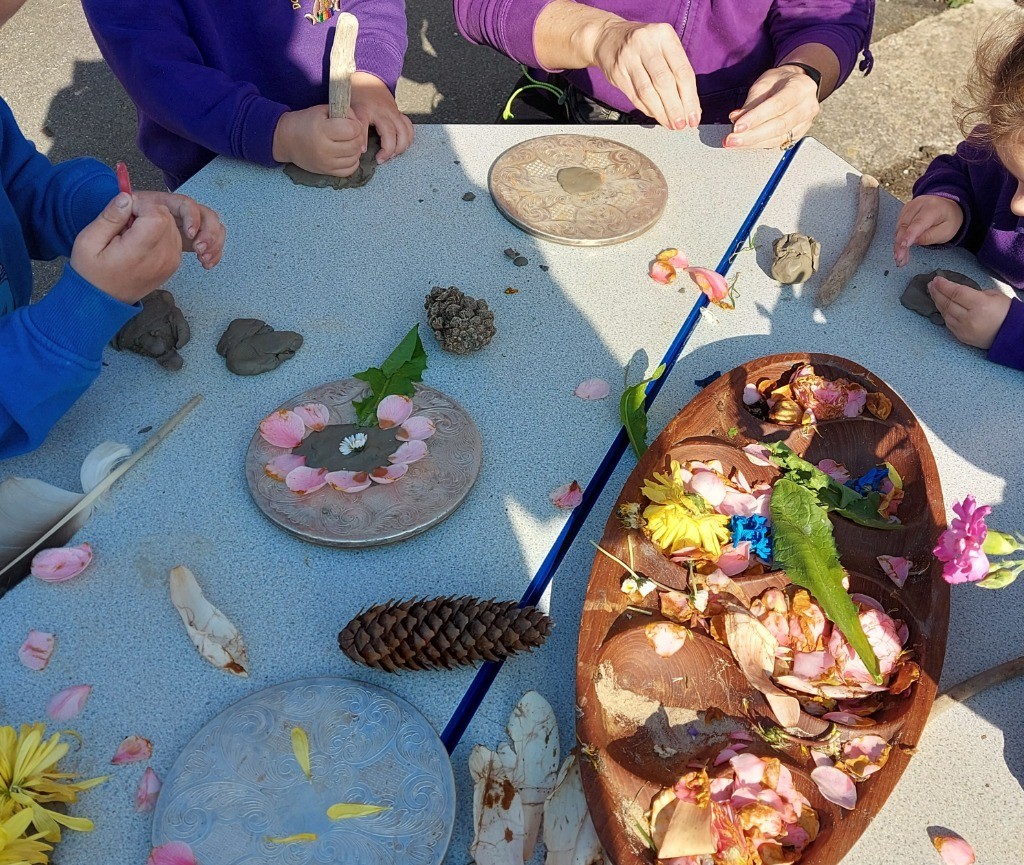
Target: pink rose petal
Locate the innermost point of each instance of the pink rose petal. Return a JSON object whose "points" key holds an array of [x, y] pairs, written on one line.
{"points": [[283, 429], [416, 428], [175, 853], [848, 719], [954, 850], [348, 482], [62, 563], [835, 786], [36, 650], [304, 480], [708, 486], [133, 749], [147, 791], [593, 388], [713, 284], [662, 272], [389, 475], [393, 411], [567, 496], [279, 467], [666, 638], [837, 471], [410, 452], [315, 415], [758, 454], [68, 703], [725, 756], [872, 747], [749, 769], [734, 559], [896, 568]]}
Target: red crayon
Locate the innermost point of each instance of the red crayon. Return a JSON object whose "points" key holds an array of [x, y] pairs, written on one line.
{"points": [[124, 184]]}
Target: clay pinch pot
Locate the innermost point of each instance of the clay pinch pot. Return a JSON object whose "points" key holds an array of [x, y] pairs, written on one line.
{"points": [[638, 721]]}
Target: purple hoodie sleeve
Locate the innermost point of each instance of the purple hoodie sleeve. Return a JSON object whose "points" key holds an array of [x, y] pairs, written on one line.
{"points": [[948, 177], [383, 38], [506, 25], [844, 26], [155, 58], [1008, 348]]}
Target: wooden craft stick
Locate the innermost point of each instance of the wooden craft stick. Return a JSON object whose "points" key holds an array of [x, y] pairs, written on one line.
{"points": [[856, 247], [109, 480], [343, 64]]}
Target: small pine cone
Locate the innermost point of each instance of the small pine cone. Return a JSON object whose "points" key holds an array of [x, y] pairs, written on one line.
{"points": [[441, 632], [461, 324]]}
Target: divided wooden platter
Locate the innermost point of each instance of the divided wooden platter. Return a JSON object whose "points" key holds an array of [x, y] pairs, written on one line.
{"points": [[641, 717]]}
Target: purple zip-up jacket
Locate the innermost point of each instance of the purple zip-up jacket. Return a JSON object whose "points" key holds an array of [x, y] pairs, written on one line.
{"points": [[210, 77], [729, 43], [975, 179]]}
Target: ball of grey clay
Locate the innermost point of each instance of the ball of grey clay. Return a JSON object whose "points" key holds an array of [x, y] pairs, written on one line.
{"points": [[915, 296], [158, 331], [252, 347], [795, 258]]}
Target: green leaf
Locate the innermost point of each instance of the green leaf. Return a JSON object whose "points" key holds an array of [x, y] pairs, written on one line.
{"points": [[733, 432], [403, 367], [632, 413], [804, 547], [347, 810], [999, 579]]}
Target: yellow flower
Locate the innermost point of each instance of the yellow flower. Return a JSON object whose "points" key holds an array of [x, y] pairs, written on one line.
{"points": [[29, 780], [679, 520], [16, 850]]}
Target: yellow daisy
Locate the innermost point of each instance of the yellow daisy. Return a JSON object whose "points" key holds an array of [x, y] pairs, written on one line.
{"points": [[680, 520]]}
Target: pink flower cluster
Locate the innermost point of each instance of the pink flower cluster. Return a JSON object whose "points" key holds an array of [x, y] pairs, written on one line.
{"points": [[960, 546]]}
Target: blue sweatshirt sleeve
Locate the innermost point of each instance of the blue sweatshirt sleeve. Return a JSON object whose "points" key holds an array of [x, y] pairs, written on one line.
{"points": [[53, 202], [154, 56], [383, 38], [843, 26], [1008, 348]]}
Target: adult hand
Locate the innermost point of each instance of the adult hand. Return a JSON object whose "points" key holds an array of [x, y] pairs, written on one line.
{"points": [[781, 106], [925, 220], [200, 228], [973, 317], [648, 64], [128, 263], [313, 140], [373, 105]]}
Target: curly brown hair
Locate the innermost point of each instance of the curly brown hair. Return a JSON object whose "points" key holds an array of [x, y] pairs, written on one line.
{"points": [[992, 107]]}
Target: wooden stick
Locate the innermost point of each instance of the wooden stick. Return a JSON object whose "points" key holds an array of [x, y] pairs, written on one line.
{"points": [[856, 247], [976, 684], [343, 64], [109, 480]]}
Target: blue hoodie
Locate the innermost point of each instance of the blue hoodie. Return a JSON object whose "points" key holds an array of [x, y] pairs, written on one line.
{"points": [[50, 351]]}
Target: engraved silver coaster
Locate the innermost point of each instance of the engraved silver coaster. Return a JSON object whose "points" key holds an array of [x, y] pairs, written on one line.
{"points": [[623, 194], [238, 784], [430, 492]]}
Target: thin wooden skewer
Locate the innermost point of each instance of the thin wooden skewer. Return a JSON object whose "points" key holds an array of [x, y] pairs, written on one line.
{"points": [[109, 480], [976, 684]]}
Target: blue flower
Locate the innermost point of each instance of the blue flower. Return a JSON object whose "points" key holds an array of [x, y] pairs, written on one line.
{"points": [[870, 482], [756, 530]]}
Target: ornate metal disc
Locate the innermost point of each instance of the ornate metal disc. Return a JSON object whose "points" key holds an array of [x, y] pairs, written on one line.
{"points": [[238, 784], [578, 189], [430, 492]]}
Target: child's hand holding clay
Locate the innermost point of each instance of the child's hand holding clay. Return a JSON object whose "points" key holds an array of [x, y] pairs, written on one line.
{"points": [[373, 105], [925, 220], [973, 317], [313, 140], [201, 230], [128, 263]]}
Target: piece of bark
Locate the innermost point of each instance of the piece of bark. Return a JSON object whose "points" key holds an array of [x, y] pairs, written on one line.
{"points": [[856, 247], [251, 346], [158, 331], [795, 258], [915, 296]]}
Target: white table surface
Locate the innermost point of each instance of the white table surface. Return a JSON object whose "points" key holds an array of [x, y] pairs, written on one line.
{"points": [[349, 270], [968, 771]]}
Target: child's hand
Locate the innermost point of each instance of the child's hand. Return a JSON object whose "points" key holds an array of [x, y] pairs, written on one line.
{"points": [[373, 105], [128, 263], [925, 220], [973, 317], [201, 229], [313, 140]]}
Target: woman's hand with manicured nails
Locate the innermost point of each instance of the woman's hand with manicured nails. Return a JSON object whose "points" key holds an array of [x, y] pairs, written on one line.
{"points": [[780, 108]]}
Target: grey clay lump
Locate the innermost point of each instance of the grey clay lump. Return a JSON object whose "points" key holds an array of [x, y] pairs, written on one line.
{"points": [[251, 346], [362, 175], [795, 258], [158, 331], [916, 298]]}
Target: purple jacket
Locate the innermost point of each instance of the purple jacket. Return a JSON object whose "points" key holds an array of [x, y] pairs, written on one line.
{"points": [[210, 77], [975, 179], [729, 42]]}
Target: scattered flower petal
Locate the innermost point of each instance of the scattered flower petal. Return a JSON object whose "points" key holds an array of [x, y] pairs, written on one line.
{"points": [[758, 454], [409, 452], [674, 257], [713, 284], [393, 411], [389, 475], [708, 486], [175, 853], [348, 482], [147, 792], [304, 480], [134, 749], [593, 388], [837, 471], [567, 496], [68, 703], [835, 786], [279, 466], [302, 837], [300, 748], [35, 652], [667, 638], [662, 272], [896, 568], [62, 563], [954, 850], [417, 428], [315, 415], [848, 719], [283, 429], [735, 558]]}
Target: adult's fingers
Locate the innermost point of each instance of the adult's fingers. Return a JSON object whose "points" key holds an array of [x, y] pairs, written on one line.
{"points": [[666, 87], [686, 83], [648, 99]]}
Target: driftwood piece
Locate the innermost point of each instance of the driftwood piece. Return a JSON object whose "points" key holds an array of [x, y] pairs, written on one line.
{"points": [[343, 64], [856, 247]]}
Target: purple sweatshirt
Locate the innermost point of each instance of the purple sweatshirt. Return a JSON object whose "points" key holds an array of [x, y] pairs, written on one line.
{"points": [[210, 77], [729, 42], [975, 179]]}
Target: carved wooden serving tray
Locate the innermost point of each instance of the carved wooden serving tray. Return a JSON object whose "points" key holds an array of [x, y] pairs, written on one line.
{"points": [[645, 719]]}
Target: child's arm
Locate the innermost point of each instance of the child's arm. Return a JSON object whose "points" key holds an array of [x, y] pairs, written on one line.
{"points": [[985, 319]]}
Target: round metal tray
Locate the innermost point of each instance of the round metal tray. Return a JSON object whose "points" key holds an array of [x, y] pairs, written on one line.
{"points": [[237, 783], [430, 492], [630, 199]]}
